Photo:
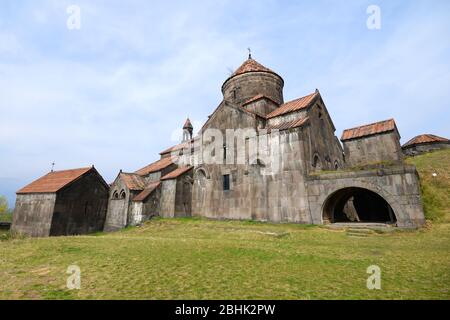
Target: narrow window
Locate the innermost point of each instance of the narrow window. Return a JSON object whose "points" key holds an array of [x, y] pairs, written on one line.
{"points": [[226, 182]]}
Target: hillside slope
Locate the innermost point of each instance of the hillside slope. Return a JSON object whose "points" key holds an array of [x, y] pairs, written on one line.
{"points": [[434, 171]]}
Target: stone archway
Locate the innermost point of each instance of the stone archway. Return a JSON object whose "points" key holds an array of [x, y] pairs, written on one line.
{"points": [[355, 204], [321, 191]]}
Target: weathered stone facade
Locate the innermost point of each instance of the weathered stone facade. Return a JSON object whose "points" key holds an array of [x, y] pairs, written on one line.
{"points": [[425, 143], [301, 173], [62, 203]]}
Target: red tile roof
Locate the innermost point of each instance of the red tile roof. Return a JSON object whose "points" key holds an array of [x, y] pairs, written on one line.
{"points": [[133, 181], [155, 166], [176, 173], [289, 125], [294, 105], [369, 129], [147, 191], [177, 147], [188, 124], [250, 65], [256, 98], [425, 138], [54, 181]]}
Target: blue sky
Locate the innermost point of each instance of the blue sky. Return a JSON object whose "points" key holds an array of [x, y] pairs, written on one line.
{"points": [[114, 92]]}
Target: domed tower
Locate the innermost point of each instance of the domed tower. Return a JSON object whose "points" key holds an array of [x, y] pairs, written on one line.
{"points": [[187, 130], [253, 81]]}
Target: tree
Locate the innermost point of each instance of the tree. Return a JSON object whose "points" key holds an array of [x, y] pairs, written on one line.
{"points": [[3, 205]]}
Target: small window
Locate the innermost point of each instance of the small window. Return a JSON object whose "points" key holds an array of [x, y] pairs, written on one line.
{"points": [[122, 194], [226, 182], [115, 195]]}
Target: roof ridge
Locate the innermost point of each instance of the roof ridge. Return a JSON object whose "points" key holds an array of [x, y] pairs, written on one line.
{"points": [[370, 124], [292, 105]]}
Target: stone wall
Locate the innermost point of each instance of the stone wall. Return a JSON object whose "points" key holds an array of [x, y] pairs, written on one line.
{"points": [[373, 149], [167, 202], [242, 88], [398, 186], [426, 147], [33, 214], [142, 211], [117, 214], [81, 207], [183, 195], [262, 106]]}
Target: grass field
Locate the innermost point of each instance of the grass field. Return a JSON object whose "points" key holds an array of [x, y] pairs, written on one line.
{"points": [[201, 259]]}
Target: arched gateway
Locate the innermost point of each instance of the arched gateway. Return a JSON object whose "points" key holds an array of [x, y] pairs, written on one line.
{"points": [[355, 204]]}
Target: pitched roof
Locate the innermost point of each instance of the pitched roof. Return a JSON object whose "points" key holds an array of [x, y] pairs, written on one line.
{"points": [[177, 147], [289, 125], [250, 65], [294, 105], [369, 129], [176, 173], [258, 97], [425, 138], [188, 124], [155, 166], [54, 181], [147, 191], [133, 181]]}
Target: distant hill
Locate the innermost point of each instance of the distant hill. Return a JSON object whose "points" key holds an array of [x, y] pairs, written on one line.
{"points": [[434, 171]]}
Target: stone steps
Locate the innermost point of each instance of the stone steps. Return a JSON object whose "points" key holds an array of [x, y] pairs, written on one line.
{"points": [[359, 232]]}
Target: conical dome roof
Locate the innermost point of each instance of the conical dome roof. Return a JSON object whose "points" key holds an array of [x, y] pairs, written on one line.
{"points": [[188, 124], [250, 65]]}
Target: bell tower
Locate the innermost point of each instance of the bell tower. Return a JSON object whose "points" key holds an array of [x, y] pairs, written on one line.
{"points": [[187, 130]]}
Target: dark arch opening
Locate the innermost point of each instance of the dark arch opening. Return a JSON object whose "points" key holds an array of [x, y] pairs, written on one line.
{"points": [[357, 205]]}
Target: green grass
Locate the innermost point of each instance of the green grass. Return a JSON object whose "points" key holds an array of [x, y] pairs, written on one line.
{"points": [[202, 259], [435, 190]]}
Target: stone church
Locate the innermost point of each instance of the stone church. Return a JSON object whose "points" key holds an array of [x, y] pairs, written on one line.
{"points": [[258, 157]]}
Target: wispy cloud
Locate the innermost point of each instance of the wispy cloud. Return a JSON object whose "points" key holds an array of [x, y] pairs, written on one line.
{"points": [[112, 93]]}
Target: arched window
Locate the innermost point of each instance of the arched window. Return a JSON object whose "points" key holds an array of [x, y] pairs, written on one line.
{"points": [[122, 194], [115, 195], [336, 165], [316, 162]]}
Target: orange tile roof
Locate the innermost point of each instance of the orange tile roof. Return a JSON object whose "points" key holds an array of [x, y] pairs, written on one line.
{"points": [[369, 129], [425, 138], [147, 191], [176, 173], [294, 105], [250, 65], [54, 181], [155, 166], [290, 124], [188, 124], [256, 98], [176, 147], [133, 181]]}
